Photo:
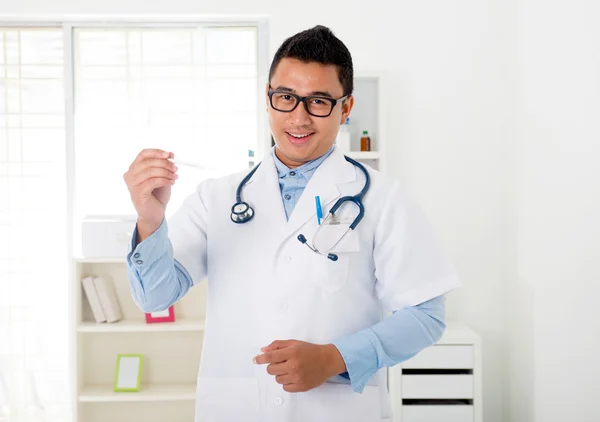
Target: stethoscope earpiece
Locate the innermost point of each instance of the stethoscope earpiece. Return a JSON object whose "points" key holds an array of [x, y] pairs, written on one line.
{"points": [[302, 240]]}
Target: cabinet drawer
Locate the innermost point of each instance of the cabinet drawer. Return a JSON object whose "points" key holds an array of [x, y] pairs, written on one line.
{"points": [[437, 386], [437, 413], [442, 357]]}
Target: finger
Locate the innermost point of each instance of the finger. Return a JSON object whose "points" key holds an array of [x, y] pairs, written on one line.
{"points": [[278, 344], [293, 388], [153, 172], [152, 163], [276, 356], [157, 182], [278, 369], [285, 379], [152, 153]]}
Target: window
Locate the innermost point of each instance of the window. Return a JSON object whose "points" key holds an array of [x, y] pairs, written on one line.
{"points": [[104, 94], [192, 91], [33, 242]]}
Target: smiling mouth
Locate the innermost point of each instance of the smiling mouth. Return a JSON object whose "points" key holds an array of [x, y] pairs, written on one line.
{"points": [[299, 138]]}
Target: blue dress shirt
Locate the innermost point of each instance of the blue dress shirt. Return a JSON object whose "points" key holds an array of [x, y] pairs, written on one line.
{"points": [[396, 338]]}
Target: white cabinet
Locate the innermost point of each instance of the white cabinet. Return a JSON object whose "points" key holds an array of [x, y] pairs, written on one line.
{"points": [[443, 357], [442, 383], [439, 413]]}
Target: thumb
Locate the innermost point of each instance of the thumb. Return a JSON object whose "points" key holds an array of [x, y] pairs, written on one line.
{"points": [[278, 344]]}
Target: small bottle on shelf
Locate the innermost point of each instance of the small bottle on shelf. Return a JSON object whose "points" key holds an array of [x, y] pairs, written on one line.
{"points": [[343, 138], [365, 141]]}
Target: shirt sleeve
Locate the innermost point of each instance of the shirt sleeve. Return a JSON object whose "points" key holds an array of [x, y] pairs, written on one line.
{"points": [[163, 267], [156, 279], [396, 338]]}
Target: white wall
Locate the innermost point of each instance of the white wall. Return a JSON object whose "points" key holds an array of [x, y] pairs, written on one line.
{"points": [[448, 114], [559, 204]]}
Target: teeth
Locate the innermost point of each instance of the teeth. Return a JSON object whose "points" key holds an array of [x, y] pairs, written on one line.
{"points": [[299, 136]]}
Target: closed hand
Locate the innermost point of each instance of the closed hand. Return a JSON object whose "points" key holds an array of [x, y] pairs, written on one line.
{"points": [[301, 366]]}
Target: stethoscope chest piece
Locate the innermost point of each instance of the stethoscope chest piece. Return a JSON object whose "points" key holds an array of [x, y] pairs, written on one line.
{"points": [[241, 212]]}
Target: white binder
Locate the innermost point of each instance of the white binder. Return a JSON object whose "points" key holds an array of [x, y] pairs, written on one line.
{"points": [[108, 298], [89, 288]]}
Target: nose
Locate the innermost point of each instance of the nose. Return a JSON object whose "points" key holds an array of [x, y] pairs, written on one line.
{"points": [[300, 116]]}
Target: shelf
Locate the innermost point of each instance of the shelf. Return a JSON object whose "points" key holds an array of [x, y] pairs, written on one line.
{"points": [[129, 326], [364, 155], [147, 393], [114, 260]]}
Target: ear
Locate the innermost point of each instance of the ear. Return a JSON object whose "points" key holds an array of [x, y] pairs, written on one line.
{"points": [[267, 95], [347, 108]]}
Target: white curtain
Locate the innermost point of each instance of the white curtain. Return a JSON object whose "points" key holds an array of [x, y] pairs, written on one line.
{"points": [[33, 240]]}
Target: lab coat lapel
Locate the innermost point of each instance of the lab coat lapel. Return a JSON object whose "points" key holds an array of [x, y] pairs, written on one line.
{"points": [[264, 194], [335, 170]]}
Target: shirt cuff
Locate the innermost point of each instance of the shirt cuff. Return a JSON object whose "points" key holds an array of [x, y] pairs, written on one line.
{"points": [[360, 357], [150, 249]]}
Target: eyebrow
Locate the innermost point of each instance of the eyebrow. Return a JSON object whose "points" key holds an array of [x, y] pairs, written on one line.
{"points": [[321, 93]]}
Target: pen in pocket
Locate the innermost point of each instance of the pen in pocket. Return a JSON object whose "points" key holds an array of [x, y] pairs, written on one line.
{"points": [[319, 210]]}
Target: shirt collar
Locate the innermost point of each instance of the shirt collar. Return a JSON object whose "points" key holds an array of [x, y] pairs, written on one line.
{"points": [[305, 169]]}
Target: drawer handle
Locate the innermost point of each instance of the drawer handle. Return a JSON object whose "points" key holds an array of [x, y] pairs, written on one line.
{"points": [[437, 402], [437, 371]]}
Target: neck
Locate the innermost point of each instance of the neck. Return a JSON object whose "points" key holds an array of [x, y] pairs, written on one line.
{"points": [[294, 164], [289, 163]]}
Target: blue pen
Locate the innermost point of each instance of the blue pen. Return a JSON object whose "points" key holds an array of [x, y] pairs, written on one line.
{"points": [[319, 210]]}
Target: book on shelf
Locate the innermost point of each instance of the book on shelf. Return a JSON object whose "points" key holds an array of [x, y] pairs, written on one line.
{"points": [[102, 297], [89, 288]]}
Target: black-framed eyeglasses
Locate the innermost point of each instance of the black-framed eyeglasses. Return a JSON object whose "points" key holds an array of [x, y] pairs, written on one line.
{"points": [[315, 105]]}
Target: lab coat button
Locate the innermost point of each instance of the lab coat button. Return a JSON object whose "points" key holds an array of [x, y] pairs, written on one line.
{"points": [[137, 255], [284, 306], [278, 401], [139, 262]]}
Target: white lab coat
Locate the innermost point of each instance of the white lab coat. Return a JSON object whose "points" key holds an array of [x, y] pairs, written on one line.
{"points": [[264, 285]]}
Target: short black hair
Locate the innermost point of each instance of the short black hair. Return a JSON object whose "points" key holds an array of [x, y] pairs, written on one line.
{"points": [[318, 44]]}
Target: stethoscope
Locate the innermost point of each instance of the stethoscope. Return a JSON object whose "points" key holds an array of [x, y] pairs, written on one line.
{"points": [[241, 212]]}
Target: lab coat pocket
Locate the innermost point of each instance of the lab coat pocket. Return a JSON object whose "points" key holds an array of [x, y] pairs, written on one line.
{"points": [[331, 402], [331, 275], [227, 399]]}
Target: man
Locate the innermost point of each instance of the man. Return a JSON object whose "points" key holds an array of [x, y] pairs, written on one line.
{"points": [[294, 335]]}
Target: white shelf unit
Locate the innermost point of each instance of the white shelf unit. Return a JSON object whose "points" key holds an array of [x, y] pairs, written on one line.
{"points": [[367, 114], [148, 393], [441, 383], [364, 155], [171, 352]]}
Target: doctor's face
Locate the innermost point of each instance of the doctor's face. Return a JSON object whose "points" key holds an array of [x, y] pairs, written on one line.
{"points": [[299, 136]]}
